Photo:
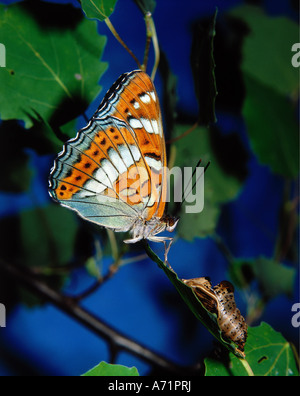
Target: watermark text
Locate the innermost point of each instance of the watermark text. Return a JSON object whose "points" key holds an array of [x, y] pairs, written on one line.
{"points": [[2, 55], [2, 315], [296, 56], [296, 316]]}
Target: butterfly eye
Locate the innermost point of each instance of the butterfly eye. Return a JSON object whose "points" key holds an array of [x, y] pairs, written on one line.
{"points": [[171, 224]]}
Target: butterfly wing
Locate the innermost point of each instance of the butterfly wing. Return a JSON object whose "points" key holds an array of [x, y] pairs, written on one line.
{"points": [[113, 170]]}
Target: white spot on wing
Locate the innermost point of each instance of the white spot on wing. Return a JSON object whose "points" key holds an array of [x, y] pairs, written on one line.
{"points": [[135, 152], [153, 96], [156, 128], [153, 163], [145, 98], [101, 176], [94, 187], [126, 155], [111, 172], [147, 125], [117, 161], [135, 123], [151, 126], [129, 155]]}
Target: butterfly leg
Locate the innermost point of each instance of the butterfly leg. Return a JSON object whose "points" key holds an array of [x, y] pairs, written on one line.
{"points": [[133, 240], [167, 246]]}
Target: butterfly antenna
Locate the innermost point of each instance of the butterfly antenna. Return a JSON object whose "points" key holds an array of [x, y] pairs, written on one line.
{"points": [[194, 171], [183, 198]]}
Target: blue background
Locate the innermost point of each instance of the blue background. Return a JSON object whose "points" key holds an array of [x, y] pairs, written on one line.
{"points": [[139, 300]]}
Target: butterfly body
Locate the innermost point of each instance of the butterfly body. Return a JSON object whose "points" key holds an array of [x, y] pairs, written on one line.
{"points": [[113, 173]]}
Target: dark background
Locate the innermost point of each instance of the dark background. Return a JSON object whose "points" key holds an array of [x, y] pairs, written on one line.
{"points": [[139, 300]]}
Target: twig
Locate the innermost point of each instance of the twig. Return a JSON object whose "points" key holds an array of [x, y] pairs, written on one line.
{"points": [[111, 272], [152, 31], [114, 246], [247, 367], [223, 248], [148, 42], [187, 132], [98, 326], [116, 35]]}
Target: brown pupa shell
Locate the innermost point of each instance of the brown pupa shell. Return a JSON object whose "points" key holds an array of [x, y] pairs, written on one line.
{"points": [[220, 300]]}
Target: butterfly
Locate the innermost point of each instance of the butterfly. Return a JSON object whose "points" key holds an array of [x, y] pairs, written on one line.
{"points": [[113, 173], [220, 300]]}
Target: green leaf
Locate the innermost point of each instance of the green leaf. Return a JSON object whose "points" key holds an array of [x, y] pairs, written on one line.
{"points": [[271, 85], [219, 186], [15, 173], [272, 128], [105, 369], [92, 268], [203, 67], [47, 236], [208, 319], [267, 354], [44, 239], [52, 66], [203, 224], [273, 277], [98, 9], [267, 49], [170, 98]]}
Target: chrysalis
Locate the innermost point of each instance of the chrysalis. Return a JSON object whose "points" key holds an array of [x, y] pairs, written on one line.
{"points": [[220, 300]]}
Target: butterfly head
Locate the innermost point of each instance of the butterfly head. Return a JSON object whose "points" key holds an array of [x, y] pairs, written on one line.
{"points": [[170, 222]]}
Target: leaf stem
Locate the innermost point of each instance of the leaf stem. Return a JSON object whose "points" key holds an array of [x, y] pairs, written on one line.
{"points": [[187, 132], [247, 367], [148, 41], [223, 248], [116, 35], [152, 31], [152, 255], [114, 246]]}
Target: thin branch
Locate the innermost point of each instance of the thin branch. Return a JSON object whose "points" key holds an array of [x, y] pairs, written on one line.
{"points": [[247, 367], [148, 42], [223, 248], [113, 269], [88, 319], [90, 290], [116, 35], [187, 132], [152, 31], [114, 246]]}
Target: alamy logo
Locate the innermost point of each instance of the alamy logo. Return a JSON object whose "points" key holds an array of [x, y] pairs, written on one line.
{"points": [[2, 55], [296, 316], [2, 315], [296, 57]]}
